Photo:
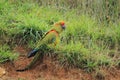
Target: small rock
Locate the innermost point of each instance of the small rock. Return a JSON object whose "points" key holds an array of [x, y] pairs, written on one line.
{"points": [[2, 72]]}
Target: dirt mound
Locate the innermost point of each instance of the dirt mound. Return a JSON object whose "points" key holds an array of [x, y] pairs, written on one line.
{"points": [[51, 70]]}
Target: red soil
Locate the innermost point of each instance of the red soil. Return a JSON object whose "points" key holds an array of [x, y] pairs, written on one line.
{"points": [[51, 70]]}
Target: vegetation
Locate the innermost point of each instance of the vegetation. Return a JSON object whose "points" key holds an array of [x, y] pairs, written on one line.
{"points": [[6, 54], [91, 40]]}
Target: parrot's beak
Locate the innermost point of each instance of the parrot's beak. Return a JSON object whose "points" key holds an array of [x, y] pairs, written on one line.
{"points": [[63, 27]]}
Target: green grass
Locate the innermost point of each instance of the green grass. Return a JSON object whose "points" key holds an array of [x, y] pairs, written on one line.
{"points": [[6, 54], [86, 43]]}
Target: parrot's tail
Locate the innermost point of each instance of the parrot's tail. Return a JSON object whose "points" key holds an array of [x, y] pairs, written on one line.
{"points": [[35, 59], [32, 53], [21, 70]]}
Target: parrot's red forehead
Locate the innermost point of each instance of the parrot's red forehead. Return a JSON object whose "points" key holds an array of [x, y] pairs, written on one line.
{"points": [[62, 22]]}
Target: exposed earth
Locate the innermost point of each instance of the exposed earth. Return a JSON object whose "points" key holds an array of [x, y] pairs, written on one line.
{"points": [[51, 70]]}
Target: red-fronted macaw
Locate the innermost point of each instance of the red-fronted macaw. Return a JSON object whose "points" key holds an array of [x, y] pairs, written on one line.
{"points": [[51, 38]]}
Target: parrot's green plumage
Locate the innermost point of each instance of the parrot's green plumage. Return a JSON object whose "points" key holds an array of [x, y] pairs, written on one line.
{"points": [[50, 39]]}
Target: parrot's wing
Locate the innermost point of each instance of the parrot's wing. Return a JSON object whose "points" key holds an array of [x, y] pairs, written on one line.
{"points": [[32, 53], [45, 35], [52, 40], [47, 39]]}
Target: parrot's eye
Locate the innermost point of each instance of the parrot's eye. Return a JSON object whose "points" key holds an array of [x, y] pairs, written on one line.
{"points": [[63, 26]]}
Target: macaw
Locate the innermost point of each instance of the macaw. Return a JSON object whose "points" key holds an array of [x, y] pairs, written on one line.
{"points": [[50, 39]]}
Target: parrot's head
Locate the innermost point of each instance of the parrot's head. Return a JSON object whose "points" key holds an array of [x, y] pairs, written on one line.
{"points": [[60, 26]]}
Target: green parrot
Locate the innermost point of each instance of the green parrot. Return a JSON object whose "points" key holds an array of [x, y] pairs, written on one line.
{"points": [[50, 39]]}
